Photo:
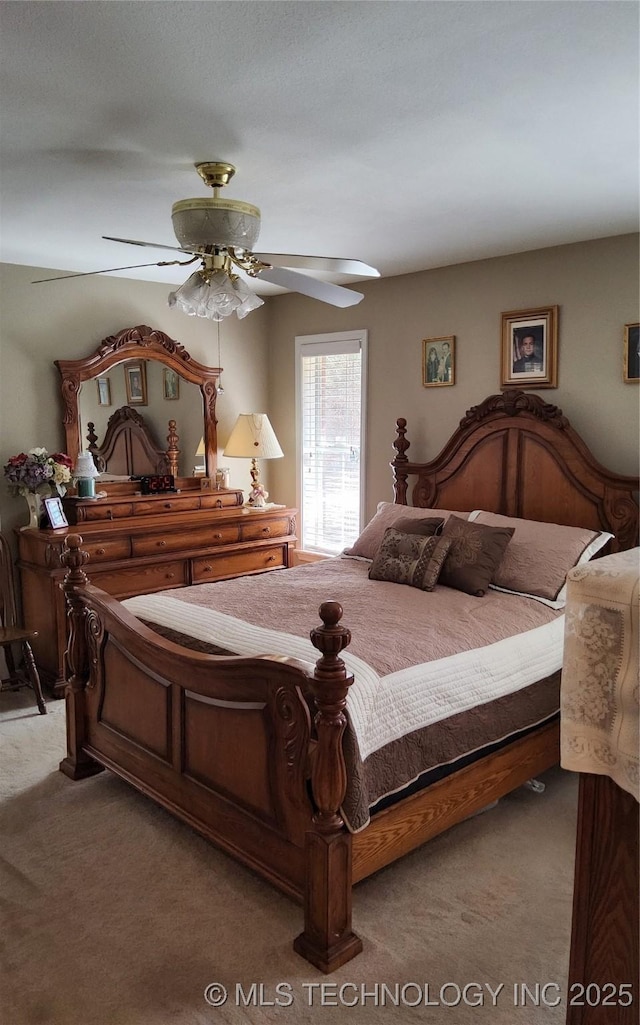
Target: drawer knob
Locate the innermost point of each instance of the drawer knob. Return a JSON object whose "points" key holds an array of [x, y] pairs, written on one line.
{"points": [[162, 544], [167, 505], [99, 551], [208, 569], [271, 558], [169, 576], [217, 536], [266, 530]]}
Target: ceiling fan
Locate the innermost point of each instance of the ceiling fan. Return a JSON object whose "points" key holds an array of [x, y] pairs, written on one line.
{"points": [[221, 234]]}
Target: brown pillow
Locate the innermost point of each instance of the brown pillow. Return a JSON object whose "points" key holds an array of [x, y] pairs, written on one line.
{"points": [[387, 515], [541, 555], [474, 556], [432, 525], [411, 559]]}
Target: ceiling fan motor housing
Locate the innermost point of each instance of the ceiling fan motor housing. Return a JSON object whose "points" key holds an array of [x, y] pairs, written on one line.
{"points": [[223, 223]]}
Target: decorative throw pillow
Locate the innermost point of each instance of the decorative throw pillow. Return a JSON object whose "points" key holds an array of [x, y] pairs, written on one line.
{"points": [[411, 559], [428, 527], [474, 556], [387, 515], [540, 556]]}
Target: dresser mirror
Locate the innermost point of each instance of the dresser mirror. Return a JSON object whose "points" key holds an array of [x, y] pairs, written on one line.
{"points": [[152, 380]]}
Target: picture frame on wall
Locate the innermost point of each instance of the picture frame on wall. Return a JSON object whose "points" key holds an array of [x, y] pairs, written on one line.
{"points": [[135, 378], [438, 361], [55, 512], [529, 348], [170, 384], [104, 391], [631, 360]]}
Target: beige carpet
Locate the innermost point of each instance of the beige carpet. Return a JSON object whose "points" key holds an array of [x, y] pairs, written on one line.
{"points": [[113, 913]]}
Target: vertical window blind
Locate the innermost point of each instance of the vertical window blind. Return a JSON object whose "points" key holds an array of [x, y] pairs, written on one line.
{"points": [[331, 378]]}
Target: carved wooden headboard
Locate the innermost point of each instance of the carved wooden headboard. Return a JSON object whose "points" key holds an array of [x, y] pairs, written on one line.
{"points": [[518, 455], [129, 446]]}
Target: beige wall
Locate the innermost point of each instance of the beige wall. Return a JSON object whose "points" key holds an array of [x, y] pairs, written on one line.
{"points": [[595, 284], [68, 320]]}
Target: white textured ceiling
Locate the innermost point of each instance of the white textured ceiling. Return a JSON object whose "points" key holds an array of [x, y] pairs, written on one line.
{"points": [[406, 134]]}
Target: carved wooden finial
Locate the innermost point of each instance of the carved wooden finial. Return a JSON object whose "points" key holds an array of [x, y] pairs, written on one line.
{"points": [[398, 462], [330, 639], [173, 451], [74, 559], [401, 444], [330, 684]]}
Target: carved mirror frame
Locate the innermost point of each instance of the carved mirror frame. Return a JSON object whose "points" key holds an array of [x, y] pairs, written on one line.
{"points": [[140, 342]]}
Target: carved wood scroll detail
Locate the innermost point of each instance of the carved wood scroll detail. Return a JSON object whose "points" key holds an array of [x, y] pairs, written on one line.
{"points": [[143, 336], [512, 402]]}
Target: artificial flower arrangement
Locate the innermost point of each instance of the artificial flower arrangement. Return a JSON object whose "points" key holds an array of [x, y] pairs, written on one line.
{"points": [[29, 473]]}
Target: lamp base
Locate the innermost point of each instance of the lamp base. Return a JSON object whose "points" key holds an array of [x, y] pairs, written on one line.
{"points": [[258, 495]]}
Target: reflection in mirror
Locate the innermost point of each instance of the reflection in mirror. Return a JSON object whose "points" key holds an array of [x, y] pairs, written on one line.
{"points": [[169, 397], [167, 384]]}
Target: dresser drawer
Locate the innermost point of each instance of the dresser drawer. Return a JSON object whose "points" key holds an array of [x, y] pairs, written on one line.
{"points": [[107, 551], [234, 565], [142, 579], [100, 511], [165, 504], [220, 499], [256, 530], [200, 537]]}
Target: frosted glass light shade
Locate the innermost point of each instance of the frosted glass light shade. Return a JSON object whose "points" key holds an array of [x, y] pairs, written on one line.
{"points": [[226, 223], [253, 437], [215, 297]]}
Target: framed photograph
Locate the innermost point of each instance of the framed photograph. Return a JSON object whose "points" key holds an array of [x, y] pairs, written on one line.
{"points": [[170, 384], [135, 376], [55, 512], [631, 365], [104, 391], [438, 361], [530, 348]]}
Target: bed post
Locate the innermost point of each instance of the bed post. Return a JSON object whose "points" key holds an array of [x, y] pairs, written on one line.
{"points": [[172, 449], [77, 764], [398, 463], [327, 940]]}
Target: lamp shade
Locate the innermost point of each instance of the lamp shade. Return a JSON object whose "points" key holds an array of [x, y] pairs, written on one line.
{"points": [[85, 467], [253, 437], [200, 451]]}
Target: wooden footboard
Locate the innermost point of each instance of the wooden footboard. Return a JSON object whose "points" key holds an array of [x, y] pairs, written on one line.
{"points": [[223, 743]]}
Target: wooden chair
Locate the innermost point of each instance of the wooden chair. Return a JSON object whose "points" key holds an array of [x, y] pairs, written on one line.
{"points": [[26, 675]]}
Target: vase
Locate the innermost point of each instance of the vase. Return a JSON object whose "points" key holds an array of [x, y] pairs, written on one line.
{"points": [[34, 502]]}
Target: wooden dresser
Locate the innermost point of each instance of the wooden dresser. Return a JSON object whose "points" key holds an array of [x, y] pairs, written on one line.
{"points": [[142, 543]]}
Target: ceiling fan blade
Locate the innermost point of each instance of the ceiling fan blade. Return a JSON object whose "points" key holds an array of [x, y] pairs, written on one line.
{"points": [[110, 270], [336, 295], [150, 245], [324, 263]]}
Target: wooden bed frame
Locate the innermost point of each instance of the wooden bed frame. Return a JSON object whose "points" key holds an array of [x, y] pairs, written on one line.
{"points": [[171, 720]]}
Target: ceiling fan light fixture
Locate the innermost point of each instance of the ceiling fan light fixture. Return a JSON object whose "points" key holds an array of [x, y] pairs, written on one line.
{"points": [[249, 300], [223, 223], [214, 295]]}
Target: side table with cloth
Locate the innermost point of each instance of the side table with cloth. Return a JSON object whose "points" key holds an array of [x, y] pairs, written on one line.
{"points": [[599, 731]]}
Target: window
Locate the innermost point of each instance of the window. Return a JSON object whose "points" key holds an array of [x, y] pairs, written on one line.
{"points": [[330, 417]]}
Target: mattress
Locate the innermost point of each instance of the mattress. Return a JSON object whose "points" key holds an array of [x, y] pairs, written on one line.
{"points": [[438, 675]]}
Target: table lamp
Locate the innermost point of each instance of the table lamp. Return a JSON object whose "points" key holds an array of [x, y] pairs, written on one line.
{"points": [[85, 474], [253, 438]]}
